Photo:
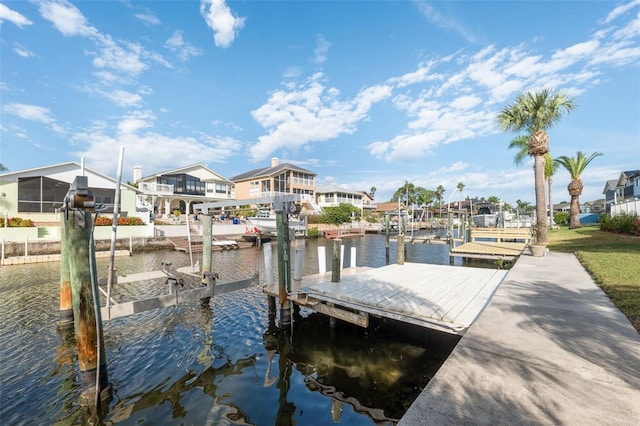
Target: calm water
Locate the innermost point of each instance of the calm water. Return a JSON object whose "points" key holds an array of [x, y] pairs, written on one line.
{"points": [[218, 363]]}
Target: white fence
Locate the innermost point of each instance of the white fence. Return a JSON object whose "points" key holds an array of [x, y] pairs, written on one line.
{"points": [[628, 207]]}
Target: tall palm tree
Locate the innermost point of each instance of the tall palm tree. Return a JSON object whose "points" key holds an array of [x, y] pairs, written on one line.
{"points": [[521, 143], [575, 166], [439, 193], [3, 168], [535, 113], [550, 168], [372, 191]]}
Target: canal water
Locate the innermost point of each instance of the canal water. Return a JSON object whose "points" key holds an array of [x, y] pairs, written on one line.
{"points": [[218, 363]]}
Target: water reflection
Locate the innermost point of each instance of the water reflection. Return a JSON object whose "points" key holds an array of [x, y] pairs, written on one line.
{"points": [[218, 362]]}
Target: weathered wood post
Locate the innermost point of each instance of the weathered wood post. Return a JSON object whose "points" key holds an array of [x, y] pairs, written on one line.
{"points": [[387, 225], [335, 265], [400, 249], [66, 303], [268, 275], [87, 320], [207, 245], [284, 262]]}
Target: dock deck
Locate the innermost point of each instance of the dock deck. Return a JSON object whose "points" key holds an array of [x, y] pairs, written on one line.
{"points": [[441, 297]]}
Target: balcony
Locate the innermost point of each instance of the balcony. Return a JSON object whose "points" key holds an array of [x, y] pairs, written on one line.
{"points": [[155, 188]]}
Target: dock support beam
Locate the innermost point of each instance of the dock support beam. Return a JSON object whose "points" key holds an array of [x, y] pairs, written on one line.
{"points": [[387, 225], [335, 265], [284, 262], [207, 245], [401, 249], [87, 322], [66, 302]]}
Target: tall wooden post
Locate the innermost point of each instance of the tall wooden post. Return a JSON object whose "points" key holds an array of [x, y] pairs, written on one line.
{"points": [[207, 245], [387, 225], [284, 264], [335, 265], [400, 249], [89, 337], [66, 303]]}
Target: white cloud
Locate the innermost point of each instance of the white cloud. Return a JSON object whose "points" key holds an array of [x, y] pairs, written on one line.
{"points": [[22, 51], [310, 112], [147, 18], [322, 47], [66, 18], [12, 16], [620, 10], [221, 20], [33, 113], [185, 50], [442, 21], [135, 133]]}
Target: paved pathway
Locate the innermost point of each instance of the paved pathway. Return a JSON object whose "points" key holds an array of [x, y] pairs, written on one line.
{"points": [[550, 349]]}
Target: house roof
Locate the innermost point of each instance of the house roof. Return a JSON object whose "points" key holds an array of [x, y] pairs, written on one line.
{"points": [[626, 176], [269, 172], [389, 207], [189, 169], [610, 186], [62, 170], [323, 189]]}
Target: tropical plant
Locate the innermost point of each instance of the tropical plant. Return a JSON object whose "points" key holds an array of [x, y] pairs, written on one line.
{"points": [[439, 193], [406, 193], [3, 168], [535, 113], [372, 192], [575, 166], [460, 187]]}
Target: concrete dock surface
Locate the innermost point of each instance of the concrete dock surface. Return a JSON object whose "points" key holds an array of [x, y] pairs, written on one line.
{"points": [[550, 349]]}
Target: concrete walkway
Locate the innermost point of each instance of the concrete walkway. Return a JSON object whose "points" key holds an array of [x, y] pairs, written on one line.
{"points": [[550, 349]]}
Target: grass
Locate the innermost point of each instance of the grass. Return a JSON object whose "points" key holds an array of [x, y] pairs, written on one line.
{"points": [[613, 261]]}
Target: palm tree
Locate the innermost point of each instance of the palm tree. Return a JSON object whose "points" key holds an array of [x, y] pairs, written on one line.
{"points": [[550, 167], [372, 192], [3, 168], [535, 113], [439, 193], [575, 166]]}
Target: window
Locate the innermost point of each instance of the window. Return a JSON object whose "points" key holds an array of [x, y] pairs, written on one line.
{"points": [[41, 194]]}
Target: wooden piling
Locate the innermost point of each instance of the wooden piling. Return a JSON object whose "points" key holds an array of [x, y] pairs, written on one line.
{"points": [[401, 249], [77, 239], [387, 225], [207, 245], [284, 266], [66, 302], [335, 268]]}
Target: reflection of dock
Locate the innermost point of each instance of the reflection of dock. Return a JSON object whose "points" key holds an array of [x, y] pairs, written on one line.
{"points": [[506, 243], [441, 297]]}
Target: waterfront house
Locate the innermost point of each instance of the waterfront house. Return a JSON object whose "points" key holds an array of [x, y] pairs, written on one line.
{"points": [[334, 195], [38, 194], [164, 193], [278, 179], [628, 185]]}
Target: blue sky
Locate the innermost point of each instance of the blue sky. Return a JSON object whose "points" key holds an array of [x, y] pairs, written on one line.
{"points": [[363, 93]]}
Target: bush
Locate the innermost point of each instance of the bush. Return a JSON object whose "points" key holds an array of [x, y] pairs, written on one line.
{"points": [[122, 221], [17, 222], [561, 218], [622, 223], [313, 232]]}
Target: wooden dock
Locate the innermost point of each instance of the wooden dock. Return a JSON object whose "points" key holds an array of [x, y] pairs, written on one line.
{"points": [[182, 244], [494, 243], [441, 297], [344, 233]]}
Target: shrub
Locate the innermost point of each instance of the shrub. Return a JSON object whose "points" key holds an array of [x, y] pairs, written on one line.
{"points": [[561, 218], [313, 232], [122, 221], [622, 223], [17, 222]]}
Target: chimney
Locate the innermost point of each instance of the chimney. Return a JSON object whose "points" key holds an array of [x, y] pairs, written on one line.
{"points": [[274, 161], [137, 173]]}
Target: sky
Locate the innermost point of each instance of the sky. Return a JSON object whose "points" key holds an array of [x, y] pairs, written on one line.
{"points": [[362, 93]]}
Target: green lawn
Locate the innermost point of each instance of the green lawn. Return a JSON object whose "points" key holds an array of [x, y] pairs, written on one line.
{"points": [[612, 260]]}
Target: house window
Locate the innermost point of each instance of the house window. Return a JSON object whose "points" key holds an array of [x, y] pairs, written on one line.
{"points": [[41, 194], [281, 183]]}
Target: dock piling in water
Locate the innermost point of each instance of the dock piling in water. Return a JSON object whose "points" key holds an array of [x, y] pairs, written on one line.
{"points": [[335, 266], [66, 304]]}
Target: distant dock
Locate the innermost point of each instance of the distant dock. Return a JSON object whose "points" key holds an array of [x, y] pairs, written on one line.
{"points": [[440, 297], [494, 243]]}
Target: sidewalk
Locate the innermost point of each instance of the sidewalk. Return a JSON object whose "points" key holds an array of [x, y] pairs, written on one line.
{"points": [[550, 349]]}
